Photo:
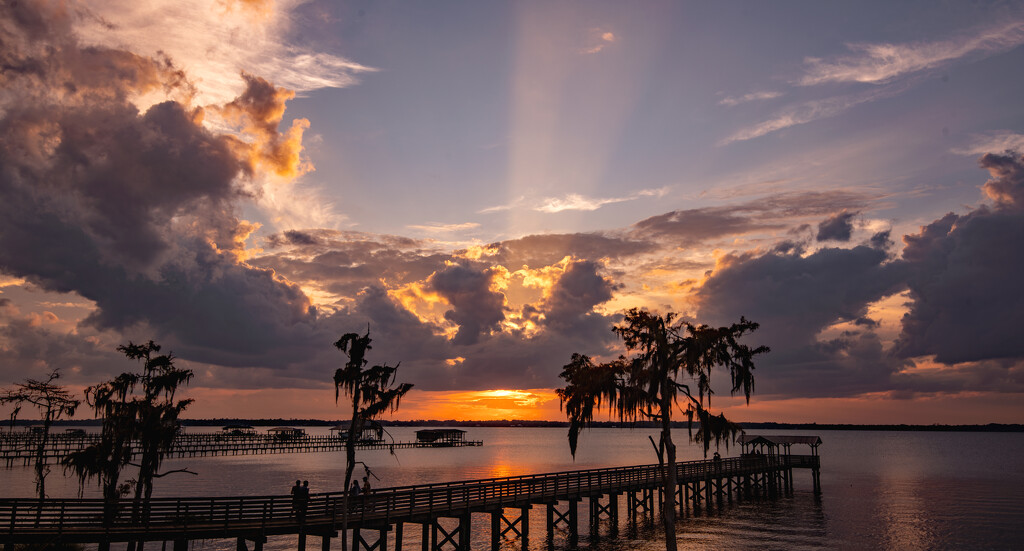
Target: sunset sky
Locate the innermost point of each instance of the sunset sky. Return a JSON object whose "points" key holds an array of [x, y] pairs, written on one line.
{"points": [[488, 186]]}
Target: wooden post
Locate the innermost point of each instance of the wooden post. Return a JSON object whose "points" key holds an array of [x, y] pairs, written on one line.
{"points": [[550, 522], [398, 535], [524, 520], [613, 502], [465, 524], [496, 529], [426, 536], [574, 523]]}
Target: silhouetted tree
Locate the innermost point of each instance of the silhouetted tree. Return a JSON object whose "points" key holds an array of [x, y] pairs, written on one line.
{"points": [[653, 381], [373, 392], [140, 418], [53, 402]]}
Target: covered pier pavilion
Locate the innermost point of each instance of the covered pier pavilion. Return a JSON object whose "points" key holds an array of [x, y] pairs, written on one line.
{"points": [[780, 446]]}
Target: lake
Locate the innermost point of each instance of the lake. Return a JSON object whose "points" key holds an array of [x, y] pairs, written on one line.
{"points": [[881, 490]]}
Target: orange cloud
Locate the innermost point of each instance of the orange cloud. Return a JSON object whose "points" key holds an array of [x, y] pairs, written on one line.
{"points": [[258, 112]]}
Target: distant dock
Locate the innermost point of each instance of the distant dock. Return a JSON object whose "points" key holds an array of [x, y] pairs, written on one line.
{"points": [[20, 448]]}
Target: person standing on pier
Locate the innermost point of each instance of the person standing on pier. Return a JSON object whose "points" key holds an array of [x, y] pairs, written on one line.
{"points": [[296, 496], [303, 501], [366, 484], [354, 490]]}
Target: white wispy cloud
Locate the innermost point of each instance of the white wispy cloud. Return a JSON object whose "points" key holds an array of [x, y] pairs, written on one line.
{"points": [[599, 39], [572, 201], [880, 63], [215, 40], [507, 206], [575, 201], [806, 112], [730, 101], [995, 142], [444, 228]]}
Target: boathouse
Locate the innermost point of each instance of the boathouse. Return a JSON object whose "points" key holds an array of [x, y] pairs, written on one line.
{"points": [[372, 432], [286, 433], [441, 437], [238, 429]]}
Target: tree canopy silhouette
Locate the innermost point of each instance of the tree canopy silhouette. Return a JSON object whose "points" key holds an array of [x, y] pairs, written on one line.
{"points": [[53, 402], [372, 391], [140, 418], [667, 357]]}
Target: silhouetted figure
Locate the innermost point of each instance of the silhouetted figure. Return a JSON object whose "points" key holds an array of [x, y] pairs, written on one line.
{"points": [[366, 484], [303, 500], [717, 457], [354, 490], [296, 496]]}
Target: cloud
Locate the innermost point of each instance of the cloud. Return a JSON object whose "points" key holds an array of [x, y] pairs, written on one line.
{"points": [[1003, 140], [476, 308], [964, 276], [803, 113], [773, 212], [838, 227], [731, 101], [444, 228], [573, 201], [881, 63], [795, 298], [569, 306], [218, 41], [259, 112], [598, 40], [132, 210], [548, 249], [1006, 186]]}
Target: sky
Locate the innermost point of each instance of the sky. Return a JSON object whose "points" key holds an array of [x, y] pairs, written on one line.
{"points": [[488, 186]]}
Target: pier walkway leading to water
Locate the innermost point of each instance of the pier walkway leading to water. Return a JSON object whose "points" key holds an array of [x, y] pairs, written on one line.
{"points": [[381, 516], [20, 448]]}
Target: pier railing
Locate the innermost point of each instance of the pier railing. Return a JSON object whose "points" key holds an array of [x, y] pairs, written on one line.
{"points": [[218, 517]]}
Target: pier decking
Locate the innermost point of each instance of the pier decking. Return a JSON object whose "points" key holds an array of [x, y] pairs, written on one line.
{"points": [[383, 514], [20, 448]]}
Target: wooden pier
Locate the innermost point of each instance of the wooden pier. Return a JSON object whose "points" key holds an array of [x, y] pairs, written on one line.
{"points": [[378, 520], [20, 448]]}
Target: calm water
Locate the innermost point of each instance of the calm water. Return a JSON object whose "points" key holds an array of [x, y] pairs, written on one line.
{"points": [[881, 490]]}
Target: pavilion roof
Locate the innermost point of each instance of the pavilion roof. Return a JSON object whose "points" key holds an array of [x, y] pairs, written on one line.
{"points": [[779, 440]]}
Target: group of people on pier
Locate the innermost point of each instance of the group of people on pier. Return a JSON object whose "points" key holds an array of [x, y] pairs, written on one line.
{"points": [[300, 499], [355, 489], [300, 495]]}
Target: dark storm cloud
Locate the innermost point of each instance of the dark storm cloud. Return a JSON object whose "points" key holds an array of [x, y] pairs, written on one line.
{"points": [[838, 227], [569, 307], [962, 272], [134, 211], [1006, 187], [881, 240], [794, 298], [965, 276], [344, 263], [476, 309]]}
